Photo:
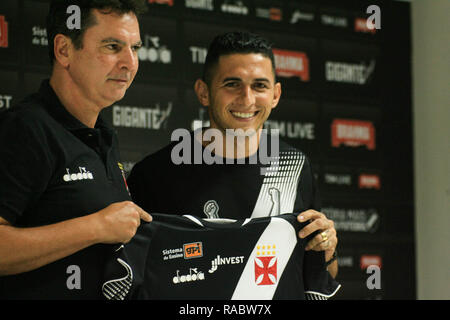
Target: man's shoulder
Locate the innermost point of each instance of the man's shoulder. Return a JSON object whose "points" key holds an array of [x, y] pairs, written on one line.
{"points": [[289, 153], [155, 162], [162, 154], [29, 112], [284, 147]]}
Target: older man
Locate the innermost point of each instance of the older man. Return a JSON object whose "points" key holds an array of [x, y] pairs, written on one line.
{"points": [[63, 198]]}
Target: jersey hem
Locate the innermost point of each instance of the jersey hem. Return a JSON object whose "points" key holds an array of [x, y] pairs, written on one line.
{"points": [[313, 295]]}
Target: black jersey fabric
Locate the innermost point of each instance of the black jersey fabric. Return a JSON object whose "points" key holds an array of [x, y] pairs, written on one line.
{"points": [[186, 257], [54, 168], [236, 191]]}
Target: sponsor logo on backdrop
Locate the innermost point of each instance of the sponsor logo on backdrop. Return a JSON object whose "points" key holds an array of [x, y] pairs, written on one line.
{"points": [[299, 16], [266, 265], [274, 14], [3, 32], [234, 7], [153, 51], [165, 2], [334, 21], [198, 54], [39, 36], [369, 181], [345, 261], [201, 121], [339, 179], [370, 260], [200, 4], [5, 101], [354, 220], [141, 118], [352, 73], [365, 25], [292, 130], [352, 133], [291, 64]]}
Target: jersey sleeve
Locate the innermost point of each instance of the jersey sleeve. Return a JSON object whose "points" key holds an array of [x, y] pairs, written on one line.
{"points": [[141, 186], [25, 166], [319, 284], [308, 196]]}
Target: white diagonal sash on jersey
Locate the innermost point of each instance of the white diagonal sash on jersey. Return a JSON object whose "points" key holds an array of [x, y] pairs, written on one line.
{"points": [[282, 176], [280, 233]]}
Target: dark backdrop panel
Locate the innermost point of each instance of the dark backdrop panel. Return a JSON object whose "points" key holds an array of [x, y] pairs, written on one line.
{"points": [[9, 88], [158, 57], [10, 32]]}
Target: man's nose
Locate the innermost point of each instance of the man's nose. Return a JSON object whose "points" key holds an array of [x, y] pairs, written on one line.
{"points": [[247, 96], [128, 59]]}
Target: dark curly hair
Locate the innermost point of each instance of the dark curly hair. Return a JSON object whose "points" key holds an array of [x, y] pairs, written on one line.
{"points": [[57, 17], [235, 42]]}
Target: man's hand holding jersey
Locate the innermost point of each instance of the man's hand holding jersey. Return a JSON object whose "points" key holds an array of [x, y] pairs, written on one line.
{"points": [[118, 222], [326, 240]]}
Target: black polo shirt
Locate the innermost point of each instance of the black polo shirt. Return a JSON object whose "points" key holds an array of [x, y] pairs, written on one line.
{"points": [[54, 168]]}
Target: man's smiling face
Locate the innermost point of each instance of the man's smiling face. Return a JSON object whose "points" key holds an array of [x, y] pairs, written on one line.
{"points": [[242, 92]]}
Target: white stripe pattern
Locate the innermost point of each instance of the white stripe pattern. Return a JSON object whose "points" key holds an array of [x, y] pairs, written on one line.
{"points": [[312, 295], [282, 175], [118, 289]]}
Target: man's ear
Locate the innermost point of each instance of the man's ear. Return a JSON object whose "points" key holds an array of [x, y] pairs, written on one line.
{"points": [[201, 89], [276, 94], [61, 48]]}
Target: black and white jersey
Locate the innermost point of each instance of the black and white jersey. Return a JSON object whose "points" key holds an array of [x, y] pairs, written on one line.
{"points": [[186, 257], [237, 191]]}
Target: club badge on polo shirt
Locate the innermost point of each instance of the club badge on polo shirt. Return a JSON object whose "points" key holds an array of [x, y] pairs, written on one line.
{"points": [[123, 176], [82, 174]]}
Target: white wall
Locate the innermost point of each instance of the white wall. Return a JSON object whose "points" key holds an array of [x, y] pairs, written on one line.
{"points": [[431, 111]]}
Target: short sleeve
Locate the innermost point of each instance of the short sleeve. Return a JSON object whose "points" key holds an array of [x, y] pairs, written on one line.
{"points": [[319, 284], [308, 196], [140, 187], [25, 167]]}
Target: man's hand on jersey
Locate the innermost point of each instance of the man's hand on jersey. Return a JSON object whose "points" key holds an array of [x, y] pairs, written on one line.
{"points": [[118, 222], [326, 240]]}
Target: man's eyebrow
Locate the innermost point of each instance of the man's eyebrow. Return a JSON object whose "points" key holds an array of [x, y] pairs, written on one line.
{"points": [[108, 40], [231, 79], [239, 79], [262, 80], [114, 40]]}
